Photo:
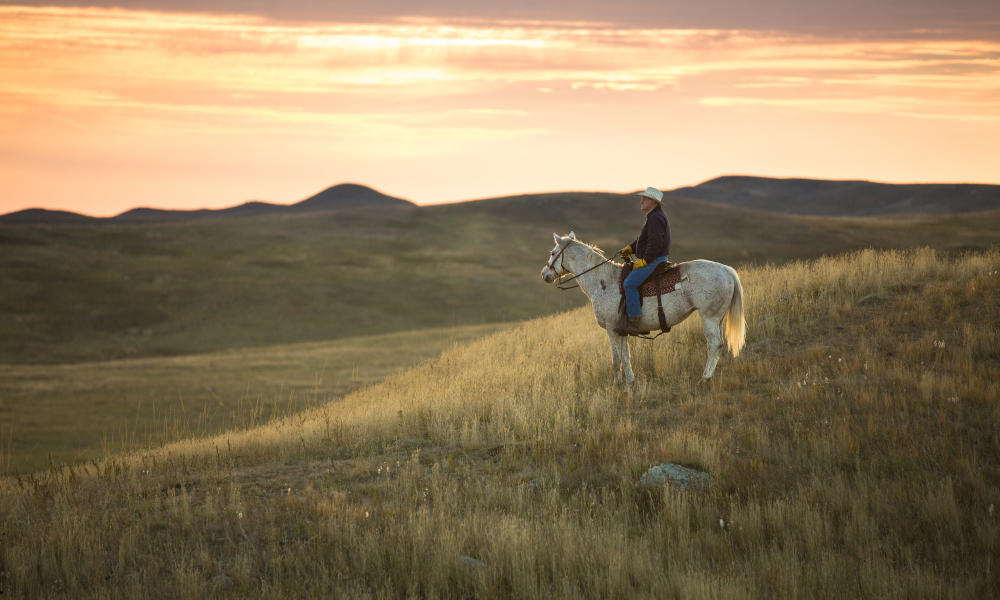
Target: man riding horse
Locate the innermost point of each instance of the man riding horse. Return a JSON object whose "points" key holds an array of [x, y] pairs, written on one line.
{"points": [[650, 249]]}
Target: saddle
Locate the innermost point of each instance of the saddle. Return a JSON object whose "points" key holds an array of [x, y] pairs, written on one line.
{"points": [[662, 280]]}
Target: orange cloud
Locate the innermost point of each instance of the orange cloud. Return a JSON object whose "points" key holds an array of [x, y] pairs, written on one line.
{"points": [[199, 95]]}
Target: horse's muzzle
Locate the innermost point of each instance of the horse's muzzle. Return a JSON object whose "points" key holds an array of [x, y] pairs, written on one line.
{"points": [[547, 275]]}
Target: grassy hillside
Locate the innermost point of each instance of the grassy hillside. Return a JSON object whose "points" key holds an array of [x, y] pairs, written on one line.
{"points": [[846, 198], [852, 446], [96, 292], [345, 195], [56, 414]]}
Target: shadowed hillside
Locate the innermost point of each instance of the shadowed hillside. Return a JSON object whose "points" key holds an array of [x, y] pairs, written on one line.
{"points": [[852, 451], [77, 412], [846, 198], [791, 196], [345, 195], [44, 216], [112, 290]]}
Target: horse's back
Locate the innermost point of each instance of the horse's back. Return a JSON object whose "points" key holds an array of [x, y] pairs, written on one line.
{"points": [[710, 284], [701, 267]]}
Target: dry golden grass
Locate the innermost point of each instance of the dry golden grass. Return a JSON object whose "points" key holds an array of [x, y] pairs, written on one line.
{"points": [[853, 448], [76, 412]]}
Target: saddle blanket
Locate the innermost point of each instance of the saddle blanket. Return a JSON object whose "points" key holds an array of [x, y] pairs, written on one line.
{"points": [[656, 284]]}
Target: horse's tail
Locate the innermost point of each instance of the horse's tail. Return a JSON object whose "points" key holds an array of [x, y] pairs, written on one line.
{"points": [[736, 325]]}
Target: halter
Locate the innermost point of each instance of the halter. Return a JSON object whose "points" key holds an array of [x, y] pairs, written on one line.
{"points": [[560, 282]]}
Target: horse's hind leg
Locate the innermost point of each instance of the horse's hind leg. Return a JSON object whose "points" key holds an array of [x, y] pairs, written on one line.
{"points": [[713, 336]]}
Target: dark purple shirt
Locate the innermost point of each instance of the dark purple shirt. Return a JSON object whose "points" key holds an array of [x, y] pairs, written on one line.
{"points": [[654, 239]]}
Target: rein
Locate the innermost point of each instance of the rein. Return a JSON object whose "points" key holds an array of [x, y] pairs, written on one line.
{"points": [[561, 283]]}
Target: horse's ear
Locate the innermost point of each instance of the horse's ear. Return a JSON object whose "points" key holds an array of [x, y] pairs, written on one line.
{"points": [[556, 237], [572, 236]]}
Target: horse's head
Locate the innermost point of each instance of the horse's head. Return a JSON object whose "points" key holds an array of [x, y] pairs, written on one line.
{"points": [[554, 268]]}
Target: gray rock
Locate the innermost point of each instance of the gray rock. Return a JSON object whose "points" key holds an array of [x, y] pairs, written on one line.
{"points": [[870, 299], [222, 582], [676, 475], [472, 565]]}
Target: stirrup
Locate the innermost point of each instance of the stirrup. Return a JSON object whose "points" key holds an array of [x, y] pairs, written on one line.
{"points": [[626, 328]]}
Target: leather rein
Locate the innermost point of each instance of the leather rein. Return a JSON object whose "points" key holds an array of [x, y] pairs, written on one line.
{"points": [[560, 282]]}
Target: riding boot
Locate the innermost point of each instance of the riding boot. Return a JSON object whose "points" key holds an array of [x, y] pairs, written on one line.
{"points": [[630, 326]]}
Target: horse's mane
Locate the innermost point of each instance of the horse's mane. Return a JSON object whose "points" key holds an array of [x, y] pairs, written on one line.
{"points": [[596, 250]]}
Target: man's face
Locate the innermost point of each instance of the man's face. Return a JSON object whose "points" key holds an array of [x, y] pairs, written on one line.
{"points": [[646, 204]]}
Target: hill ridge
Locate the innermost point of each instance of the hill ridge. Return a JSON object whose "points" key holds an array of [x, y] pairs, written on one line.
{"points": [[845, 198], [796, 195], [77, 292], [339, 196]]}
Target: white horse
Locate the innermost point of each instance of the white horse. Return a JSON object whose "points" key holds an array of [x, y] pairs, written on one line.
{"points": [[713, 289]]}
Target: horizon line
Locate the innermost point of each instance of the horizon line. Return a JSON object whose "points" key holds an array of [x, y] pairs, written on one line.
{"points": [[484, 198]]}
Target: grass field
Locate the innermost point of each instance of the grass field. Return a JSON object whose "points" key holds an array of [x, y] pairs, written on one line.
{"points": [[55, 414], [853, 448], [84, 293], [115, 334]]}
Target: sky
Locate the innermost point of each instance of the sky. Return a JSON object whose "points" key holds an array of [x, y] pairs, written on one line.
{"points": [[109, 106]]}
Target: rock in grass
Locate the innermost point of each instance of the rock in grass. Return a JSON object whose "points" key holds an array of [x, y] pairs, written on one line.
{"points": [[871, 299], [472, 566], [222, 582], [676, 475]]}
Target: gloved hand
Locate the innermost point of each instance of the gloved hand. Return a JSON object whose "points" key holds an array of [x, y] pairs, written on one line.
{"points": [[625, 251], [640, 263]]}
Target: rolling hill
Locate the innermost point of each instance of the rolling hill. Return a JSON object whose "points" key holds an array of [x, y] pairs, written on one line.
{"points": [[845, 198], [345, 195], [111, 290], [73, 413], [38, 216], [851, 450], [508, 467], [791, 196]]}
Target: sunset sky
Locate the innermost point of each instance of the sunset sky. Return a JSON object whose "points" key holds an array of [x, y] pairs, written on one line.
{"points": [[192, 104]]}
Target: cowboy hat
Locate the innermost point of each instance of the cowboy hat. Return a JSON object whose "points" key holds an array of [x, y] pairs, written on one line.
{"points": [[653, 194]]}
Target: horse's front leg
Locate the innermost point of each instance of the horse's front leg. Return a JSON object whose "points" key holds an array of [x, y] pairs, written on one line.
{"points": [[620, 357], [626, 361], [616, 361]]}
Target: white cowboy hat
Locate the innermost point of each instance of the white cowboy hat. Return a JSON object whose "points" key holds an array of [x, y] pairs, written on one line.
{"points": [[653, 194]]}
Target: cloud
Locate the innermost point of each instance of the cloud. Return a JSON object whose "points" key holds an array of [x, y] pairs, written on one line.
{"points": [[89, 85], [896, 106], [845, 17], [257, 71]]}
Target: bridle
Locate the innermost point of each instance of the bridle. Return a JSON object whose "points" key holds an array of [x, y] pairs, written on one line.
{"points": [[560, 282]]}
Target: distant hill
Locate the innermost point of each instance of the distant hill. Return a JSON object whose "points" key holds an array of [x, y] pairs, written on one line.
{"points": [[345, 195], [790, 196], [845, 198], [41, 215], [74, 293], [159, 214]]}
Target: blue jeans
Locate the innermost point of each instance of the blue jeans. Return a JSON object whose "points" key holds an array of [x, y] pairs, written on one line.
{"points": [[632, 283]]}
